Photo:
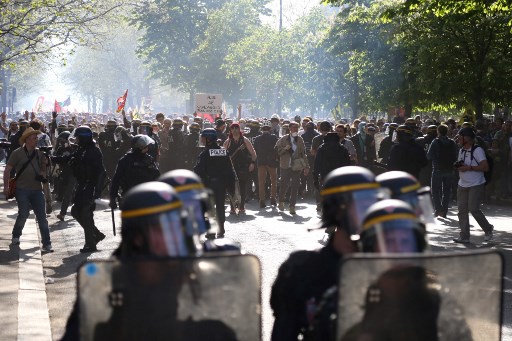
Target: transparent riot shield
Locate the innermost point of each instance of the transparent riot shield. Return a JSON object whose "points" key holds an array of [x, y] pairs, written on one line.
{"points": [[455, 296], [207, 298]]}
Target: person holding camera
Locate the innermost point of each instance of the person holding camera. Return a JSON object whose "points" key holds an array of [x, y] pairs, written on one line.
{"points": [[471, 165], [30, 164]]}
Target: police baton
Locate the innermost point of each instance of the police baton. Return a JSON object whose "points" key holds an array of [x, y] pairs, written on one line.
{"points": [[113, 221]]}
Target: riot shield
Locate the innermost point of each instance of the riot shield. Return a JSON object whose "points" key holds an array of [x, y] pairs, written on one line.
{"points": [[456, 296], [207, 298]]}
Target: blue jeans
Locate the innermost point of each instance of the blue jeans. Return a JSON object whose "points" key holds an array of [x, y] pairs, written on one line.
{"points": [[27, 199], [441, 189]]}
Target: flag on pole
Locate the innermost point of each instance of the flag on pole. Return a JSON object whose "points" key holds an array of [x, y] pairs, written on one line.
{"points": [[135, 113], [57, 108], [121, 101], [66, 103]]}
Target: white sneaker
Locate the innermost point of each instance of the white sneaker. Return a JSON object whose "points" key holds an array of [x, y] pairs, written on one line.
{"points": [[15, 241]]}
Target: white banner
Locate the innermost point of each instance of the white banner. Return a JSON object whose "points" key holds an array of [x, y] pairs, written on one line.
{"points": [[209, 104]]}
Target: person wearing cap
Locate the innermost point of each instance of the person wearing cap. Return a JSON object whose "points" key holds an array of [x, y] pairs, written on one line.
{"points": [[471, 165], [29, 185], [305, 276], [275, 122], [220, 128]]}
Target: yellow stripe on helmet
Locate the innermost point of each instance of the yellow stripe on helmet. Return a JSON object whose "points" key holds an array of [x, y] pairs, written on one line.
{"points": [[188, 187], [150, 210], [349, 188], [388, 217]]}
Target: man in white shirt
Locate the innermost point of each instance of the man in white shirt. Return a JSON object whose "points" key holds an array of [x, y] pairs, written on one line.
{"points": [[472, 164]]}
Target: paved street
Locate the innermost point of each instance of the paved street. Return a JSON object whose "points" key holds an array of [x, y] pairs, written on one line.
{"points": [[36, 307]]}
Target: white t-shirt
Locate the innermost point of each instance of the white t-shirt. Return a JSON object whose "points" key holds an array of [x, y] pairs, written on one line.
{"points": [[471, 178]]}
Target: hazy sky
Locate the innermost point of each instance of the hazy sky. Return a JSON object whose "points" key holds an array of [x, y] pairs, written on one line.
{"points": [[55, 89], [292, 9]]}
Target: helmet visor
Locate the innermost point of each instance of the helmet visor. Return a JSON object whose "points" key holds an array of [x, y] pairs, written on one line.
{"points": [[200, 213], [395, 236], [360, 202], [170, 239], [412, 199]]}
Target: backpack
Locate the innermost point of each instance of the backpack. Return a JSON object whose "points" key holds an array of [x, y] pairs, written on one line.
{"points": [[447, 154], [490, 162]]}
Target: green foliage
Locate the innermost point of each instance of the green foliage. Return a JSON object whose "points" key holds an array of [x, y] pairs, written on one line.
{"points": [[35, 28]]}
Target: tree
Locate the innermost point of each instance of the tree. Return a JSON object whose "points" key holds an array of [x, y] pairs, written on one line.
{"points": [[463, 49], [43, 29], [102, 72]]}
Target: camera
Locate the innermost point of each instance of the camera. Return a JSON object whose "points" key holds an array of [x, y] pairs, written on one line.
{"points": [[4, 143], [458, 164], [41, 179]]}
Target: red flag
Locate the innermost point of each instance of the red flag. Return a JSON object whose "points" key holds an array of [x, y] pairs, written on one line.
{"points": [[121, 101], [57, 107]]}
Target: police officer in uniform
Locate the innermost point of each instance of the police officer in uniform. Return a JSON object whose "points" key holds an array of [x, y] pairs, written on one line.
{"points": [[108, 146], [198, 204], [176, 145], [215, 169], [134, 168], [87, 165], [304, 277], [145, 128], [124, 141], [191, 145], [65, 181]]}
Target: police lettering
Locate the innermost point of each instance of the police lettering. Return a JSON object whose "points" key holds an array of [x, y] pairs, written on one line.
{"points": [[218, 152]]}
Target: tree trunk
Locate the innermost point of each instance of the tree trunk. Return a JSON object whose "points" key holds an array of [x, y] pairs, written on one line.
{"points": [[408, 110]]}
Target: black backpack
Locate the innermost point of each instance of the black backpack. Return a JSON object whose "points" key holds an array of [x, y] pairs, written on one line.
{"points": [[490, 162], [447, 154]]}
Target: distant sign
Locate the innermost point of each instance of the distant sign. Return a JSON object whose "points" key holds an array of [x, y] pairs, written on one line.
{"points": [[209, 104]]}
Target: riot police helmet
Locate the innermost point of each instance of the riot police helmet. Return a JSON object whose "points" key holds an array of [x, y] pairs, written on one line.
{"points": [[145, 128], [177, 123], [209, 135], [254, 125], [61, 128], [432, 129], [81, 136], [194, 127], [197, 201], [391, 225], [347, 193], [402, 185], [140, 142], [64, 136], [404, 133], [111, 126], [153, 223], [391, 129]]}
